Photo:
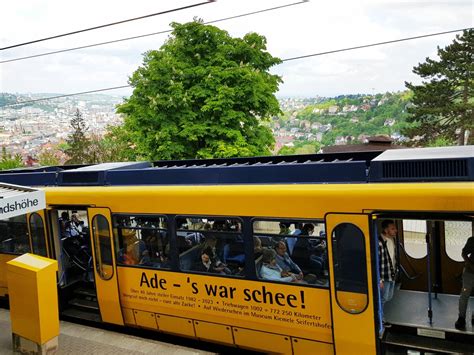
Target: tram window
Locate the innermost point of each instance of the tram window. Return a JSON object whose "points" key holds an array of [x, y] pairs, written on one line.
{"points": [[456, 234], [298, 247], [211, 245], [142, 240], [37, 234], [414, 238], [103, 248], [350, 268], [14, 235]]}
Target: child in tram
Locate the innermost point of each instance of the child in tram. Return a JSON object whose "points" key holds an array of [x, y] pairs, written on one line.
{"points": [[205, 264]]}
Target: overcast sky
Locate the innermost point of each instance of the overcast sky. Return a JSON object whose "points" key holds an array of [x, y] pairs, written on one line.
{"points": [[311, 27]]}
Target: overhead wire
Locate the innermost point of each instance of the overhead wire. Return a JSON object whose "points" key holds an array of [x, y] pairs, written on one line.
{"points": [[148, 34], [375, 44], [67, 95], [283, 60], [108, 25]]}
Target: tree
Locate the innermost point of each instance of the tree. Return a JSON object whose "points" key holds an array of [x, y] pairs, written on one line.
{"points": [[303, 147], [48, 158], [10, 162], [203, 94], [444, 102], [118, 146], [78, 143]]}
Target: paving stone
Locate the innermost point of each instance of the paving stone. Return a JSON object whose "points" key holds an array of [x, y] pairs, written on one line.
{"points": [[83, 340]]}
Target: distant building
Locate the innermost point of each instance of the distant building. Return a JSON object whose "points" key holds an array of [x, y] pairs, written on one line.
{"points": [[350, 108]]}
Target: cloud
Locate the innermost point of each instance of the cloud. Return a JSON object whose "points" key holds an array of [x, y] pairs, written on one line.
{"points": [[299, 30]]}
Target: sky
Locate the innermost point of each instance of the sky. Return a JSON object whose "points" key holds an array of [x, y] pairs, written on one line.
{"points": [[305, 28]]}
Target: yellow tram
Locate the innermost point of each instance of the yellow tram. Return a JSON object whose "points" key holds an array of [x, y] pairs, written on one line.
{"points": [[187, 247]]}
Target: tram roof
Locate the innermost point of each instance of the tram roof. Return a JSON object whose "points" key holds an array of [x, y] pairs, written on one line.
{"points": [[421, 164]]}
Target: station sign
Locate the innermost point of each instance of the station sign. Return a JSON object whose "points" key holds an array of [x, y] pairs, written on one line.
{"points": [[17, 200]]}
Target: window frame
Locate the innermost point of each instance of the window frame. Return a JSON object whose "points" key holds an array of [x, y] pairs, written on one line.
{"points": [[28, 237], [241, 233], [116, 227], [291, 220], [97, 247], [335, 262], [30, 217], [402, 232]]}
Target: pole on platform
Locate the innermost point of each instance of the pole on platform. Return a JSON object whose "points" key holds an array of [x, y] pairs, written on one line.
{"points": [[430, 308]]}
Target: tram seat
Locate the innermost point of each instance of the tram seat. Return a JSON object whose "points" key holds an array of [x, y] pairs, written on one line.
{"points": [[189, 257], [182, 245], [267, 241], [234, 253]]}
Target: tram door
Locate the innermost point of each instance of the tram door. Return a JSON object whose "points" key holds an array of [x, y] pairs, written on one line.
{"points": [[430, 253], [352, 309], [104, 269]]}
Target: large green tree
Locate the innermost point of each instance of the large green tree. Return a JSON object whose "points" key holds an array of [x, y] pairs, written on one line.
{"points": [[444, 102], [77, 142], [203, 94]]}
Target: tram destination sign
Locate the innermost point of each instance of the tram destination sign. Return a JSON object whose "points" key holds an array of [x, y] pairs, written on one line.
{"points": [[18, 200]]}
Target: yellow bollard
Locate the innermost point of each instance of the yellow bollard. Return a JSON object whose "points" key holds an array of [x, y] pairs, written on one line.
{"points": [[33, 304]]}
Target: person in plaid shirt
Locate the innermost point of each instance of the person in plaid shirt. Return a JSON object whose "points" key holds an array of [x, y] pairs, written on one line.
{"points": [[387, 260]]}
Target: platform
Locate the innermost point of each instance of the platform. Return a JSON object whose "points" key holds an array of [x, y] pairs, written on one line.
{"points": [[80, 339]]}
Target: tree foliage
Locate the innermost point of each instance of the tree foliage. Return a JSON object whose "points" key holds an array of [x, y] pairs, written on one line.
{"points": [[48, 158], [77, 142], [203, 94], [118, 146], [301, 147], [444, 102], [9, 161]]}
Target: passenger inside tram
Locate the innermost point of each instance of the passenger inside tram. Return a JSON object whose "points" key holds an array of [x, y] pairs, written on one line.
{"points": [[270, 270]]}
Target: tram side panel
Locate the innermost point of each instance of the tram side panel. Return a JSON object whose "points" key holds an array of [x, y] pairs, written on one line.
{"points": [[267, 316]]}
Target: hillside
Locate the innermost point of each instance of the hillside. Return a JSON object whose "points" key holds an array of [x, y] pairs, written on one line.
{"points": [[306, 125]]}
